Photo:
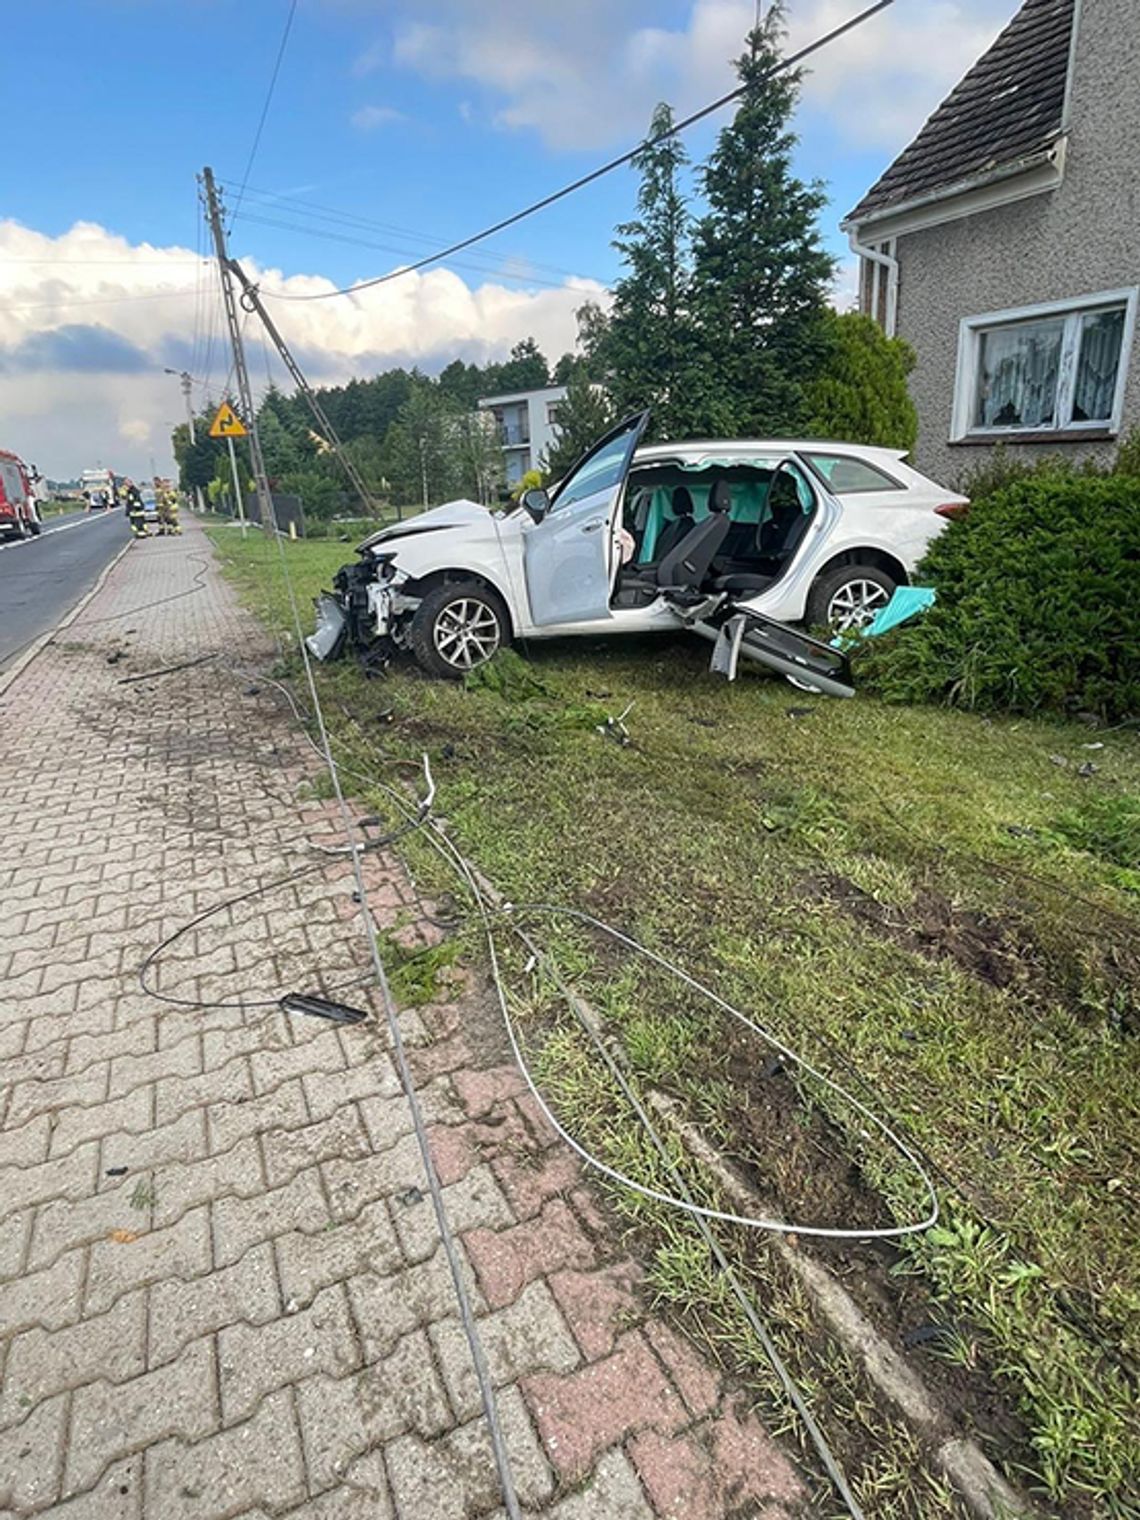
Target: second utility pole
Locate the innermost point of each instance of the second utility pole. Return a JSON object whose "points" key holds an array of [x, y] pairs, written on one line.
{"points": [[241, 373]]}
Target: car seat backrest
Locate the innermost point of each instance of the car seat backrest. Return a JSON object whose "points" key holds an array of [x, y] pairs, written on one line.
{"points": [[689, 562], [682, 524]]}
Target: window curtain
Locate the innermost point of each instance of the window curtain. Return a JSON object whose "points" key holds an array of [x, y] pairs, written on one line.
{"points": [[1095, 389], [1018, 370]]}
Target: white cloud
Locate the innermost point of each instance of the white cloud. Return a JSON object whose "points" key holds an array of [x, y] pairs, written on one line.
{"points": [[845, 286], [88, 322], [370, 117], [587, 76]]}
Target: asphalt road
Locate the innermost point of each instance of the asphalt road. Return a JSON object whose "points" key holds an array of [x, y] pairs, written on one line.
{"points": [[42, 578]]}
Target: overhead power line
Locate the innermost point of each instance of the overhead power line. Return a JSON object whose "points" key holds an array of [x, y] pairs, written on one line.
{"points": [[595, 174], [149, 295], [265, 108], [332, 235], [267, 202]]}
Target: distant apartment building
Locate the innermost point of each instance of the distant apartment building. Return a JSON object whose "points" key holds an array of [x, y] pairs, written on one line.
{"points": [[526, 426]]}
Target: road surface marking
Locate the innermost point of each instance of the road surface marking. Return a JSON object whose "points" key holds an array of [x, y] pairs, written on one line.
{"points": [[48, 532]]}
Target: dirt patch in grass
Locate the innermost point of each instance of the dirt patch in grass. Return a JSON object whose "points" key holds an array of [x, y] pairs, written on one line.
{"points": [[1092, 977], [790, 1150], [987, 948]]}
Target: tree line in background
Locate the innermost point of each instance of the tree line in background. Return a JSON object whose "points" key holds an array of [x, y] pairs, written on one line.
{"points": [[721, 324]]}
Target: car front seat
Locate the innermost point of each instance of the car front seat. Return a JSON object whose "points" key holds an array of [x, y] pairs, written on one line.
{"points": [[688, 563], [682, 524]]}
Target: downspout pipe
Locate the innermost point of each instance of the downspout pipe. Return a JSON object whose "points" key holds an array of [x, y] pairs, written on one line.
{"points": [[891, 265]]}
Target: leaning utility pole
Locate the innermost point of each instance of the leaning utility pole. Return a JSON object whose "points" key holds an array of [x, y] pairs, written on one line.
{"points": [[251, 299], [241, 373]]}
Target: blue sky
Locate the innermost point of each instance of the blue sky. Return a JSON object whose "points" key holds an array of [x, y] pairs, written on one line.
{"points": [[425, 117]]}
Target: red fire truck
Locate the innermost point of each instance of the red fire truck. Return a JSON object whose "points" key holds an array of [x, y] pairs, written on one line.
{"points": [[18, 515]]}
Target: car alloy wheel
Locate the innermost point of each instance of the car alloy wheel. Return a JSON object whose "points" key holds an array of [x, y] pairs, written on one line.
{"points": [[854, 604], [466, 633]]}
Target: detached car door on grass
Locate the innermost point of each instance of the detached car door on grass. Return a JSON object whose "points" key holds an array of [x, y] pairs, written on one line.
{"points": [[567, 551]]}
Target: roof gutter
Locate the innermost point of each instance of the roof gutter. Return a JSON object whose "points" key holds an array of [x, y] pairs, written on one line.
{"points": [[1050, 157]]}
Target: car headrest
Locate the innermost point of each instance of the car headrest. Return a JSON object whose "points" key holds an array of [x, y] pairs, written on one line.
{"points": [[720, 497], [682, 502]]}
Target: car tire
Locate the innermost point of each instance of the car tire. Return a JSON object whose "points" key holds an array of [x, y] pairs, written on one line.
{"points": [[847, 598], [457, 627]]}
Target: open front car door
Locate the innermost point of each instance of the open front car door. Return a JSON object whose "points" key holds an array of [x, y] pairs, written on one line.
{"points": [[567, 550]]}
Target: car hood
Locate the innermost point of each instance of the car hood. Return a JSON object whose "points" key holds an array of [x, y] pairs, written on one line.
{"points": [[453, 514]]}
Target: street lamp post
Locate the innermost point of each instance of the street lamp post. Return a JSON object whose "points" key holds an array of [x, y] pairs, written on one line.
{"points": [[187, 380]]}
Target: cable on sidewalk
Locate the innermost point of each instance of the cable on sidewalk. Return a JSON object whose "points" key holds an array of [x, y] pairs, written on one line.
{"points": [[445, 846], [263, 889], [198, 584]]}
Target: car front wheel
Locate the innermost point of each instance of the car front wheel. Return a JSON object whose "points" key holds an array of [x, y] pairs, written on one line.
{"points": [[847, 598], [456, 627]]}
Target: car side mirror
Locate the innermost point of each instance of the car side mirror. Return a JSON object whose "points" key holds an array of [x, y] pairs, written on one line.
{"points": [[536, 502]]}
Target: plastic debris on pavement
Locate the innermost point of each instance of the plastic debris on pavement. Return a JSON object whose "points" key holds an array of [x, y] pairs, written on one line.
{"points": [[321, 1008]]}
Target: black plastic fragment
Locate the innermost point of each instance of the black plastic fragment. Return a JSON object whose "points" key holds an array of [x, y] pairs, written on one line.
{"points": [[116, 1171], [321, 1008], [923, 1335]]}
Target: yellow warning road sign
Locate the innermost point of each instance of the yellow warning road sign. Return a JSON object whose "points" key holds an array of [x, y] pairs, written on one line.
{"points": [[227, 423]]}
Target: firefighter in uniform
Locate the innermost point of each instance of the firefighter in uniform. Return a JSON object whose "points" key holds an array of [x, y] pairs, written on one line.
{"points": [[168, 512], [136, 512]]}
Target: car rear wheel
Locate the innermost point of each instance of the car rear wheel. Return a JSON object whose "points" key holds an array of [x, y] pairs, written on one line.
{"points": [[457, 627], [847, 598]]}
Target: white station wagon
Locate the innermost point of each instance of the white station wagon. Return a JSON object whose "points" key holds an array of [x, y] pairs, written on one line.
{"points": [[731, 539]]}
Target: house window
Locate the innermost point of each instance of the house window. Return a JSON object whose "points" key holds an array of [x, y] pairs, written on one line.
{"points": [[1058, 367]]}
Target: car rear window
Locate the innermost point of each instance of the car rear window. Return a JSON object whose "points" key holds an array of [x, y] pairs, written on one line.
{"points": [[846, 475]]}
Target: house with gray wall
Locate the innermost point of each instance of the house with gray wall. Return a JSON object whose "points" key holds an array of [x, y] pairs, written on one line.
{"points": [[1004, 244]]}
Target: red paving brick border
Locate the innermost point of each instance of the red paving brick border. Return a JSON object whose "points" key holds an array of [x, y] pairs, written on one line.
{"points": [[222, 1289]]}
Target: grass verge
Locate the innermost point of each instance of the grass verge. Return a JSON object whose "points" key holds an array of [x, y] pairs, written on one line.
{"points": [[941, 902]]}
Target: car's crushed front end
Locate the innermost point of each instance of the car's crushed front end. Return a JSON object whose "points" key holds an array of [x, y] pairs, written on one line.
{"points": [[364, 609], [374, 599]]}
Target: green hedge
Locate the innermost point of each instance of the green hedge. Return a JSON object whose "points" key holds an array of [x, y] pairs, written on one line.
{"points": [[1038, 604]]}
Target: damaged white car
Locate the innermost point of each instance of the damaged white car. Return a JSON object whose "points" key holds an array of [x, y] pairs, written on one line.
{"points": [[733, 540]]}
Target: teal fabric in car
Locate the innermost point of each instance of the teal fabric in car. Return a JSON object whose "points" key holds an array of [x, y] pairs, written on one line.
{"points": [[748, 506]]}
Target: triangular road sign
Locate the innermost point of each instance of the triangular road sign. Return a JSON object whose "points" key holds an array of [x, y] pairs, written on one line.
{"points": [[227, 423]]}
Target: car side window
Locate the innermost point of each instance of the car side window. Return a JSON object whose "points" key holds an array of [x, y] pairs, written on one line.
{"points": [[846, 476], [599, 470]]}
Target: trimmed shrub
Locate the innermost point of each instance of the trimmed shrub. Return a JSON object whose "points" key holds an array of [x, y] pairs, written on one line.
{"points": [[1038, 604]]}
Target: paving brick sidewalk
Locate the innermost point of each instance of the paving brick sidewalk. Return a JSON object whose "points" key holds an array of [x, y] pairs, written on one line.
{"points": [[221, 1288]]}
